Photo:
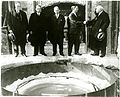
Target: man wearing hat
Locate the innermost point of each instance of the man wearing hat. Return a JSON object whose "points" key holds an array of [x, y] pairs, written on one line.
{"points": [[99, 31]]}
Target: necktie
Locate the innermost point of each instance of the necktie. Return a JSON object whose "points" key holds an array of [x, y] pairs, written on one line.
{"points": [[57, 16], [19, 17]]}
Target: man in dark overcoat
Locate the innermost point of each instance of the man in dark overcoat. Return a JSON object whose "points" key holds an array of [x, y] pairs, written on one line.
{"points": [[56, 33], [99, 25], [18, 25], [37, 29], [74, 32]]}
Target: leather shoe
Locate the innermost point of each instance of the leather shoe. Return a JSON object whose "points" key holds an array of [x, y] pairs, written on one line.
{"points": [[78, 54], [44, 54], [94, 54], [54, 54], [102, 55], [24, 55], [62, 54], [16, 55], [35, 54]]}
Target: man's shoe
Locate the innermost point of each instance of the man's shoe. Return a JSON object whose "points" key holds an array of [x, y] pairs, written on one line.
{"points": [[44, 54], [102, 55], [16, 55], [62, 54], [78, 54], [54, 54], [69, 54], [24, 55], [95, 54]]}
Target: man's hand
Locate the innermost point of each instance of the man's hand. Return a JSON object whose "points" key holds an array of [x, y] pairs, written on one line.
{"points": [[30, 32], [27, 37], [100, 30], [10, 31], [84, 22]]}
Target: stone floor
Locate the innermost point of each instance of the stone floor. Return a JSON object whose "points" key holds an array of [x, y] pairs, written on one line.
{"points": [[110, 61]]}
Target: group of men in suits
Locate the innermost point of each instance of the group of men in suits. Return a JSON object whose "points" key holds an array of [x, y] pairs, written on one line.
{"points": [[38, 25]]}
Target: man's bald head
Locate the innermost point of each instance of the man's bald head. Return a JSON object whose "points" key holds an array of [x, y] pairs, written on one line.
{"points": [[17, 6]]}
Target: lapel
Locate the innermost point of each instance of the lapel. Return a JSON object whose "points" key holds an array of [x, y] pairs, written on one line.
{"points": [[75, 16], [18, 16], [100, 15], [57, 19]]}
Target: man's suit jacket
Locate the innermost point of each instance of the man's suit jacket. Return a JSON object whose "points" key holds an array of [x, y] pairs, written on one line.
{"points": [[56, 28], [74, 24]]}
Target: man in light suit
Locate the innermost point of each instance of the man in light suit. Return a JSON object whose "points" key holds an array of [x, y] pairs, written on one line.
{"points": [[56, 33], [75, 31]]}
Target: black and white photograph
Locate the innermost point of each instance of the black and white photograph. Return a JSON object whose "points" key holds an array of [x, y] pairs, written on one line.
{"points": [[60, 48]]}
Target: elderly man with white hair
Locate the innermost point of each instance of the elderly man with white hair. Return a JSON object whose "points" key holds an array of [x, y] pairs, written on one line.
{"points": [[98, 34]]}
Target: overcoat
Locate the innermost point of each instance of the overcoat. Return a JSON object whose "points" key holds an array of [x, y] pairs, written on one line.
{"points": [[56, 31], [37, 24], [18, 23], [99, 22]]}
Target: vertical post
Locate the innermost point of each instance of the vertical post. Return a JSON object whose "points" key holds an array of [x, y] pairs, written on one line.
{"points": [[86, 18], [109, 32], [86, 95], [105, 95], [117, 27], [34, 4], [13, 52]]}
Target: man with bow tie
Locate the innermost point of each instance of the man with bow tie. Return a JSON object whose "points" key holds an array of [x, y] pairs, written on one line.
{"points": [[56, 34]]}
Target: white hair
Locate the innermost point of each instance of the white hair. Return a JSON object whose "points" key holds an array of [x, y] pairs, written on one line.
{"points": [[100, 8], [56, 7], [17, 3], [38, 6]]}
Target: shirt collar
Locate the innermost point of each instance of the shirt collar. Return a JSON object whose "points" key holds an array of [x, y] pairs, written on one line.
{"points": [[57, 15], [38, 13], [74, 13], [100, 13]]}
